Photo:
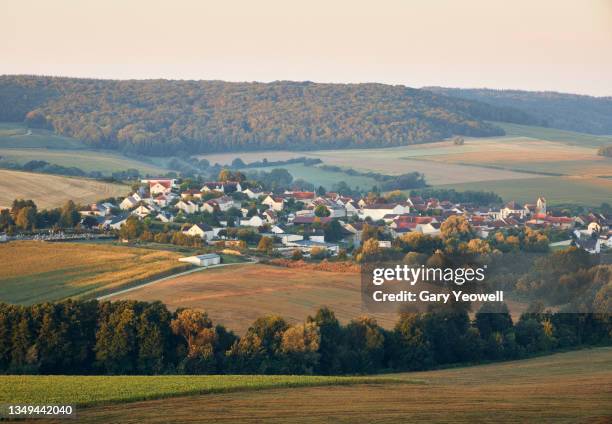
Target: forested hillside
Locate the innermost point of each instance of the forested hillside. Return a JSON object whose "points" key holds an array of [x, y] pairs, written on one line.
{"points": [[161, 117], [557, 110]]}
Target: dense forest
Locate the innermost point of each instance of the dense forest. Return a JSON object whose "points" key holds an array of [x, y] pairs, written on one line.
{"points": [[160, 117], [557, 110]]}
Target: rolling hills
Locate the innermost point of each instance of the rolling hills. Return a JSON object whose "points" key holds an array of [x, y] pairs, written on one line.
{"points": [[557, 110], [161, 117], [564, 387], [76, 270]]}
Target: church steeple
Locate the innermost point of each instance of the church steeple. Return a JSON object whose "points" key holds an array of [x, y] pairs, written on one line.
{"points": [[541, 206]]}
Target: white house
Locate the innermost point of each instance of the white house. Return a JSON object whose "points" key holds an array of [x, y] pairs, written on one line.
{"points": [[512, 208], [274, 202], [253, 194], [187, 206], [200, 230], [254, 221], [203, 260], [430, 229], [130, 202], [224, 202], [165, 217], [351, 208], [227, 187], [116, 222], [270, 216], [378, 211], [142, 211], [160, 187]]}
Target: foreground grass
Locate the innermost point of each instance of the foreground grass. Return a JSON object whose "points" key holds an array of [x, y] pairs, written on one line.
{"points": [[96, 390], [561, 388], [33, 272]]}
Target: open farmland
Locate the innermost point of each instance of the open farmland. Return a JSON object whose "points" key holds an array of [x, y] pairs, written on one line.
{"points": [[18, 136], [86, 160], [96, 390], [238, 295], [517, 166], [19, 144], [389, 161], [565, 387], [557, 190], [543, 133], [49, 191], [33, 272], [321, 177]]}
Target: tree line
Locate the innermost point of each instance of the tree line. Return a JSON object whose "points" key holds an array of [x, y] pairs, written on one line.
{"points": [[160, 117], [24, 215], [130, 337]]}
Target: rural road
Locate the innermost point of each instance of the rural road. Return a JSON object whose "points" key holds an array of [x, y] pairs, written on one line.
{"points": [[180, 274]]}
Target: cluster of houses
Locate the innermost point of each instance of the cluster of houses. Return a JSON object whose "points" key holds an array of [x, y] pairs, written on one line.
{"points": [[294, 227]]}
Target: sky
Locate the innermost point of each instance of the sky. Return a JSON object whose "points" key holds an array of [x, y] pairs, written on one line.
{"points": [[560, 45]]}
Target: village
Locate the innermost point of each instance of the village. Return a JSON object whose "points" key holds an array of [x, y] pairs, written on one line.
{"points": [[318, 225]]}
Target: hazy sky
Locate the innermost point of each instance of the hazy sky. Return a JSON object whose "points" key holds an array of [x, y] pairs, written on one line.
{"points": [[563, 45]]}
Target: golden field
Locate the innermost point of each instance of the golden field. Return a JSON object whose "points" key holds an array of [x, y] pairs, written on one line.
{"points": [[236, 296], [33, 271], [49, 191]]}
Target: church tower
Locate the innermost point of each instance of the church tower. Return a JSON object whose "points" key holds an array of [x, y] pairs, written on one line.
{"points": [[541, 206]]}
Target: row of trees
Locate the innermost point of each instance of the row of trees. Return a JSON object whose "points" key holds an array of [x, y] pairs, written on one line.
{"points": [[24, 215], [128, 337]]}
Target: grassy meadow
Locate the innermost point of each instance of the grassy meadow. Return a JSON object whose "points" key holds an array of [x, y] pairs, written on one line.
{"points": [[49, 191], [321, 177], [562, 388], [34, 272], [557, 190], [20, 145], [543, 133], [14, 135]]}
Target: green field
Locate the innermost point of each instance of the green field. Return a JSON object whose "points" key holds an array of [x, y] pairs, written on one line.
{"points": [[321, 177], [543, 133], [20, 145], [14, 135], [561, 388], [95, 390], [33, 272], [557, 190], [517, 166]]}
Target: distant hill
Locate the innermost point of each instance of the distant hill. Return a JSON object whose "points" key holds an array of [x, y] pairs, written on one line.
{"points": [[160, 117], [572, 112]]}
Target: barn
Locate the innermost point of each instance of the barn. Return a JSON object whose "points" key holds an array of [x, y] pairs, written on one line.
{"points": [[202, 260]]}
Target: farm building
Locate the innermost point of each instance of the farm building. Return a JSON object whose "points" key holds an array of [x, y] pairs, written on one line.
{"points": [[202, 260]]}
